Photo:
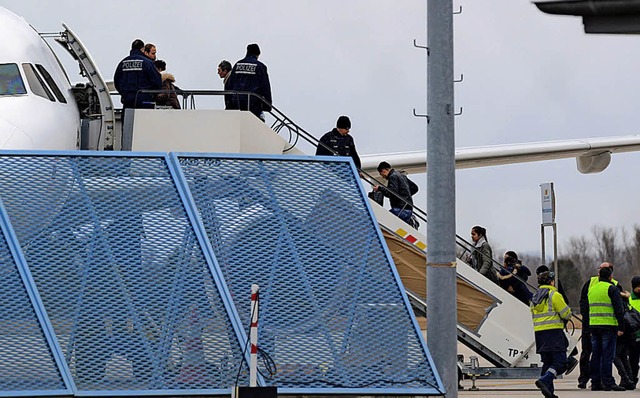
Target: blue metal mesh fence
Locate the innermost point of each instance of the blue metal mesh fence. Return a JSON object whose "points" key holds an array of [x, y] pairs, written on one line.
{"points": [[27, 363], [120, 258], [332, 314], [120, 271]]}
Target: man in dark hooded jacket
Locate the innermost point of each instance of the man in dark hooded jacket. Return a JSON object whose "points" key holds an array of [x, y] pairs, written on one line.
{"points": [[398, 190], [249, 74], [549, 312]]}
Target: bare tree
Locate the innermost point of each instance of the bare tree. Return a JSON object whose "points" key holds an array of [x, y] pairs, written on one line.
{"points": [[605, 239], [582, 253], [629, 263], [576, 263], [567, 272], [634, 262]]}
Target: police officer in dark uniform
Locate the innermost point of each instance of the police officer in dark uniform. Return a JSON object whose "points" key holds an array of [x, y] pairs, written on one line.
{"points": [[249, 74], [136, 72], [339, 141]]}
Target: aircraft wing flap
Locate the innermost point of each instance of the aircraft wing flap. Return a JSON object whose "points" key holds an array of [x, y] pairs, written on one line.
{"points": [[495, 155]]}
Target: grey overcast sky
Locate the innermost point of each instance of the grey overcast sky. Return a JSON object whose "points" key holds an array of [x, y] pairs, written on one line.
{"points": [[528, 77]]}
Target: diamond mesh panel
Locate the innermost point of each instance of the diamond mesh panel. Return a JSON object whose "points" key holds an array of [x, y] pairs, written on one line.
{"points": [[331, 311], [26, 361], [120, 272]]}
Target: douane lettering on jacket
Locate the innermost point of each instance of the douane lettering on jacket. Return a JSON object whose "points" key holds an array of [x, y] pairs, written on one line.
{"points": [[130, 65], [249, 69], [336, 147]]}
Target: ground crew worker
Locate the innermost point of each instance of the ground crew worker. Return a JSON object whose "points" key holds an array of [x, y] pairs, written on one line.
{"points": [[606, 311], [549, 312], [634, 351], [585, 353]]}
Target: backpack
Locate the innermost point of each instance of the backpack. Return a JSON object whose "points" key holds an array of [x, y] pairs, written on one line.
{"points": [[413, 188], [377, 196]]}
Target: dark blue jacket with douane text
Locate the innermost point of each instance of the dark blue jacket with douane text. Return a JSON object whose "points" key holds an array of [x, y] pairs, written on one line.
{"points": [[137, 72], [249, 74]]}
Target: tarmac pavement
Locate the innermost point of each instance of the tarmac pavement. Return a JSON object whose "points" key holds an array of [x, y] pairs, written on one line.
{"points": [[567, 387]]}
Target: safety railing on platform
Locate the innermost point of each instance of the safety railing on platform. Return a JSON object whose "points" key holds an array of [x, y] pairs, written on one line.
{"points": [[282, 125]]}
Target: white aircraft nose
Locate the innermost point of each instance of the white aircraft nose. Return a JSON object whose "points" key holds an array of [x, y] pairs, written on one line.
{"points": [[11, 137]]}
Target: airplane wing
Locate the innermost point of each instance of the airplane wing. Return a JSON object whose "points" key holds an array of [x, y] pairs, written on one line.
{"points": [[593, 155]]}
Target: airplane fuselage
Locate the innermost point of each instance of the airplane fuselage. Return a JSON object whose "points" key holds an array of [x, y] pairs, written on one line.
{"points": [[37, 107]]}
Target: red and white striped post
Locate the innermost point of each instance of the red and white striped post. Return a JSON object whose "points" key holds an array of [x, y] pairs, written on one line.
{"points": [[253, 337]]}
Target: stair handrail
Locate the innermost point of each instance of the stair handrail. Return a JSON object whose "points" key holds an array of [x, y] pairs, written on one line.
{"points": [[296, 132], [282, 121]]}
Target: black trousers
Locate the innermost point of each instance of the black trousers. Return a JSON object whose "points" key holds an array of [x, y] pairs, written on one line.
{"points": [[585, 356], [634, 359], [621, 361]]}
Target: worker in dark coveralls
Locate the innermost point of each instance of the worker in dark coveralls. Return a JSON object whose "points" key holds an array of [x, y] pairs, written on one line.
{"points": [[549, 312], [249, 74], [137, 72], [339, 141]]}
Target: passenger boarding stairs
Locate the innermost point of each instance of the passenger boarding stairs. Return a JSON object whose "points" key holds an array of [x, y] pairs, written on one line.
{"points": [[491, 321]]}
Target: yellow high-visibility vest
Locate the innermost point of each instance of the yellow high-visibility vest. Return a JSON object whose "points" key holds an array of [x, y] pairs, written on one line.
{"points": [[635, 303], [549, 314], [596, 279], [600, 307]]}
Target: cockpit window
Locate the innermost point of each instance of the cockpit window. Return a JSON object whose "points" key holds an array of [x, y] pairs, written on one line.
{"points": [[35, 82], [10, 80], [51, 83]]}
